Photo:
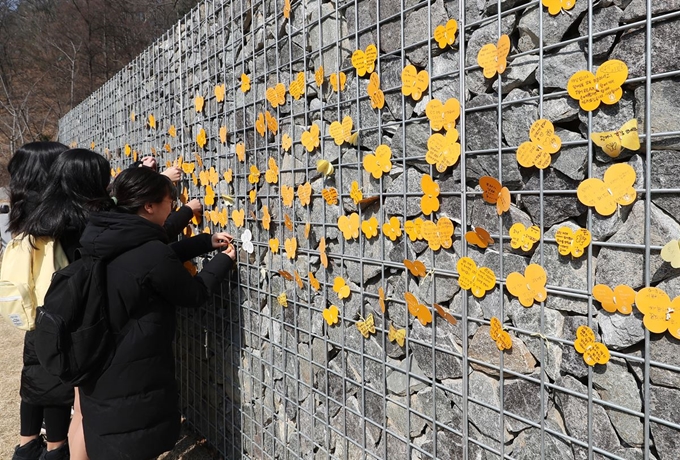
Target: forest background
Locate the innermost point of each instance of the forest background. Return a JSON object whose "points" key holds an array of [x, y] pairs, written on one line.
{"points": [[55, 53]]}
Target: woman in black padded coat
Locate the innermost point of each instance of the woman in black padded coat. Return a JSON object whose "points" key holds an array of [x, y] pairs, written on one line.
{"points": [[131, 411]]}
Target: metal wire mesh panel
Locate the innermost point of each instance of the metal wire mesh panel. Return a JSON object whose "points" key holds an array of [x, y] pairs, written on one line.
{"points": [[268, 371]]}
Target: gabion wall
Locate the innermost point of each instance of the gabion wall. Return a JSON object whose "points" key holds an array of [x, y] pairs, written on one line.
{"points": [[264, 380]]}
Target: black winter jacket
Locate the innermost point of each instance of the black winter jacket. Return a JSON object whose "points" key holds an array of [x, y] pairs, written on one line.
{"points": [[131, 411]]}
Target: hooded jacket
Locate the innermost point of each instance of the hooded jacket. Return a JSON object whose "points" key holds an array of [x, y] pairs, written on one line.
{"points": [[131, 411]]}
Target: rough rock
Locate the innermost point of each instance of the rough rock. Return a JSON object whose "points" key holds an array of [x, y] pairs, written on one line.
{"points": [[604, 19], [621, 331], [517, 118], [558, 67], [571, 160], [520, 398], [517, 359], [528, 446], [665, 96], [556, 207], [487, 390], [554, 27], [665, 404]]}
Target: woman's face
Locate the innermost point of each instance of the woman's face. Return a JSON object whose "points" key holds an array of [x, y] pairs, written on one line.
{"points": [[159, 212]]}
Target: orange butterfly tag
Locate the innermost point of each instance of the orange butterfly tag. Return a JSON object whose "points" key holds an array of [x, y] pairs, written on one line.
{"points": [[276, 95], [370, 227], [223, 217], [375, 94], [274, 245], [341, 132], [414, 83], [330, 194], [477, 280], [286, 275], [132, 118], [439, 235], [213, 177], [167, 149], [416, 267], [198, 103], [322, 252], [417, 309], [612, 142], [524, 238], [272, 124], [341, 288], [287, 195], [188, 168], [219, 93], [364, 62], [593, 352], [266, 218], [134, 155], [194, 178], [287, 222], [151, 122], [498, 335], [555, 6], [172, 131], [572, 242], [443, 150], [229, 175], [310, 139], [203, 177], [245, 83], [290, 244], [445, 313], [297, 86], [544, 142], [253, 196], [338, 81], [298, 280], [529, 287], [318, 76], [620, 299], [191, 268], [445, 35], [260, 125], [398, 335], [282, 299], [313, 282], [392, 228], [429, 202], [254, 176], [325, 167], [241, 152], [223, 134], [238, 216], [495, 193], [209, 199], [304, 193], [381, 299], [671, 253], [479, 237], [198, 159], [128, 150], [379, 162], [330, 314], [660, 313], [308, 228], [286, 142], [414, 229], [349, 226], [493, 58], [355, 192], [616, 189], [603, 87], [443, 115], [366, 326], [272, 174]]}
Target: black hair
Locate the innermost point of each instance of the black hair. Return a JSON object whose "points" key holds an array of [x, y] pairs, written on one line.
{"points": [[78, 186], [28, 171], [133, 188]]}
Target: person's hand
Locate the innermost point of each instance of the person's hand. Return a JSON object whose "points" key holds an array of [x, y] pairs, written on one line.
{"points": [[174, 173], [196, 206], [230, 251], [221, 240], [149, 162]]}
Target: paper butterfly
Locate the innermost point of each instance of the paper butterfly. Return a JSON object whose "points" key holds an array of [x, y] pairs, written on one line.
{"points": [[375, 94], [188, 168], [429, 202], [477, 280], [266, 218], [152, 125], [287, 222], [671, 253], [304, 193], [417, 309], [272, 174], [241, 152], [286, 9], [442, 115], [392, 228], [325, 167], [603, 87], [219, 93], [260, 125], [291, 247], [364, 62], [660, 313], [524, 238], [198, 103], [612, 142], [318, 76], [398, 335], [209, 196], [544, 142], [198, 159], [313, 281], [443, 150], [342, 132], [445, 313], [495, 193], [254, 176], [330, 195], [201, 138], [446, 34], [338, 81], [310, 139], [493, 58], [238, 215], [593, 352], [245, 83], [572, 242], [381, 299], [172, 131], [498, 335], [128, 150], [132, 118], [416, 267], [223, 134], [286, 275], [341, 288], [287, 195], [298, 280], [621, 299], [276, 95], [253, 196], [616, 189], [282, 299], [370, 227], [355, 192], [297, 86], [308, 227], [414, 83], [438, 235], [247, 241], [414, 229], [555, 6], [349, 226], [479, 237], [529, 287], [379, 162], [272, 124], [330, 314], [322, 252], [367, 326], [274, 245]]}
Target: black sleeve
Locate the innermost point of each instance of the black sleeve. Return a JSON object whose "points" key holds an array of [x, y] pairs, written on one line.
{"points": [[188, 248], [176, 222], [70, 242]]}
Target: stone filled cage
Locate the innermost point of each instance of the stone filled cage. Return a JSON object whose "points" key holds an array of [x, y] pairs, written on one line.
{"points": [[262, 380]]}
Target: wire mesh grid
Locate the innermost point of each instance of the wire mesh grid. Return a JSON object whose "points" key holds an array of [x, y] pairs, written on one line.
{"points": [[261, 380]]}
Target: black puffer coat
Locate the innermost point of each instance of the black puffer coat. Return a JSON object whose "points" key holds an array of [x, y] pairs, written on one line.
{"points": [[131, 411]]}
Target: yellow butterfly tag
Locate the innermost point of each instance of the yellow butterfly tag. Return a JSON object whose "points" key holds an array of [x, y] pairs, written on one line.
{"points": [[612, 142], [366, 326]]}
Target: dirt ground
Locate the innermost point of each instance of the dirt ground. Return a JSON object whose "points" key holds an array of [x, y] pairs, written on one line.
{"points": [[189, 447]]}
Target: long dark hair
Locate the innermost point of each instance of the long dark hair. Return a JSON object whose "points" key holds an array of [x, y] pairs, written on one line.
{"points": [[78, 186], [133, 188], [28, 170]]}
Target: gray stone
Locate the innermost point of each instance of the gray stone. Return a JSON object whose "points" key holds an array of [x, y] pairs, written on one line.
{"points": [[618, 386], [554, 27], [665, 47], [390, 31], [445, 355], [481, 126], [487, 390], [394, 205], [486, 164], [664, 347], [558, 67], [397, 377], [665, 404], [435, 404], [398, 418], [637, 9], [664, 105], [612, 261], [511, 263], [439, 288], [601, 433], [621, 331], [517, 118], [520, 397], [325, 32], [417, 53], [474, 310], [665, 175], [445, 81], [571, 160], [483, 214], [604, 19], [519, 73], [556, 208], [560, 109], [411, 141], [607, 118], [529, 445], [517, 359]]}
